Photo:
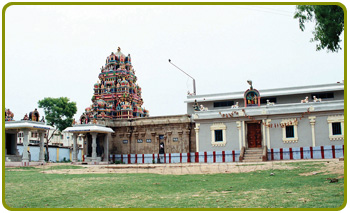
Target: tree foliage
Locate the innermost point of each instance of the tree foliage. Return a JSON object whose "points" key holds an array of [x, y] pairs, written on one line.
{"points": [[329, 24], [59, 112]]}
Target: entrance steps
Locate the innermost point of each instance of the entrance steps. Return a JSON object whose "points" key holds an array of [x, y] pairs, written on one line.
{"points": [[253, 155]]}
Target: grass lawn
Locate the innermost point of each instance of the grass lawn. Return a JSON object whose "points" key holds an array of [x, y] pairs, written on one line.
{"points": [[28, 188]]}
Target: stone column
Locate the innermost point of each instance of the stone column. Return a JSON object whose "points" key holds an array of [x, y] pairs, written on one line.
{"points": [[93, 146], [243, 134], [268, 133], [239, 127], [264, 133], [312, 123], [41, 145], [75, 154], [86, 144], [25, 158], [197, 137], [106, 153]]}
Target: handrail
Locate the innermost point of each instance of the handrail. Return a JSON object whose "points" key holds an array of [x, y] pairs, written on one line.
{"points": [[241, 155]]}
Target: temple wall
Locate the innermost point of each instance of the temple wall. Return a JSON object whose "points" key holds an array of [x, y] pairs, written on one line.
{"points": [[144, 135]]}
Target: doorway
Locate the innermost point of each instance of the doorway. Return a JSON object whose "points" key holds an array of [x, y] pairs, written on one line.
{"points": [[161, 144], [254, 135]]}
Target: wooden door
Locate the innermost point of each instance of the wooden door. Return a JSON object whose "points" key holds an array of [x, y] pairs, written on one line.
{"points": [[254, 135]]}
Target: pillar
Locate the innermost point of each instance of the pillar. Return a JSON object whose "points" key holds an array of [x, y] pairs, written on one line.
{"points": [[106, 147], [239, 127], [268, 133], [312, 123], [264, 133], [86, 144], [25, 157], [93, 145], [197, 137], [243, 134], [41, 145], [75, 154]]}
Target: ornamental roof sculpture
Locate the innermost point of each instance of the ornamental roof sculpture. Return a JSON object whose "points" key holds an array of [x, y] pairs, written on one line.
{"points": [[116, 94], [251, 96], [8, 115]]}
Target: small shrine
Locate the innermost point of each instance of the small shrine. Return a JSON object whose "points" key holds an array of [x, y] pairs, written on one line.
{"points": [[26, 125], [116, 93], [251, 96]]}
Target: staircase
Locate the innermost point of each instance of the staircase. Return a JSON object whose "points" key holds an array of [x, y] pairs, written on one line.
{"points": [[253, 155]]}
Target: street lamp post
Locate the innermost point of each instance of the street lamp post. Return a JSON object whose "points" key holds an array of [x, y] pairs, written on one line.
{"points": [[194, 81]]}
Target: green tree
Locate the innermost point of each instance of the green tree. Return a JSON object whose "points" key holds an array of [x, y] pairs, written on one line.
{"points": [[329, 24], [59, 113]]}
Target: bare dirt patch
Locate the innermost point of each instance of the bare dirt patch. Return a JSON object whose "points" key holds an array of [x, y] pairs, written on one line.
{"points": [[333, 166]]}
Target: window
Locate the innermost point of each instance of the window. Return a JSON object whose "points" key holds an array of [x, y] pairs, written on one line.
{"points": [[175, 139], [289, 130], [223, 103], [218, 134], [125, 141], [148, 140], [323, 95], [336, 127], [139, 140], [61, 137]]}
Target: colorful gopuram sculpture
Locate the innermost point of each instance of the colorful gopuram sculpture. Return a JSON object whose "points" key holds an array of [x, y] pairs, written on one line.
{"points": [[8, 115], [116, 93]]}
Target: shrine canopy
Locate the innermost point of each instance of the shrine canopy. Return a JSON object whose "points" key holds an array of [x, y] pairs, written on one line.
{"points": [[85, 128], [27, 124]]}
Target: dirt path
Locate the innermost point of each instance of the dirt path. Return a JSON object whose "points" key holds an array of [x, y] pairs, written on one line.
{"points": [[331, 166]]}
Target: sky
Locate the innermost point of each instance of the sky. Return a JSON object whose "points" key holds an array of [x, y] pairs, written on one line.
{"points": [[57, 51]]}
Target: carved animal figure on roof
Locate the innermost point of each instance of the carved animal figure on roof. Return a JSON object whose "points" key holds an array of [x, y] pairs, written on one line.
{"points": [[306, 100], [317, 99]]}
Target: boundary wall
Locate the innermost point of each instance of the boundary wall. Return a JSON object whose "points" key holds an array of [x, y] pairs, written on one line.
{"points": [[57, 154]]}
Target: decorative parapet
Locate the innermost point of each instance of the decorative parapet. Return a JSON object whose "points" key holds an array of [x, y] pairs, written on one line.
{"points": [[277, 109]]}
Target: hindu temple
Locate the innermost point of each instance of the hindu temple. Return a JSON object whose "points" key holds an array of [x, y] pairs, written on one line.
{"points": [[117, 104], [116, 93]]}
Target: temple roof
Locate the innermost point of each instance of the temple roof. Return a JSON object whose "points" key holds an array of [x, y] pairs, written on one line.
{"points": [[268, 92], [83, 128], [27, 124]]}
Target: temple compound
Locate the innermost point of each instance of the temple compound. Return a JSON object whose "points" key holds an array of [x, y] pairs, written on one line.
{"points": [[117, 104], [251, 125]]}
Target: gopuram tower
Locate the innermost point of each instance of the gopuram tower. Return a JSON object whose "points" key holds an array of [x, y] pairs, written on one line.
{"points": [[116, 93]]}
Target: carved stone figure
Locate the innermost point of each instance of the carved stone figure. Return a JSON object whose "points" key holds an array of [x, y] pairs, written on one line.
{"points": [[317, 99], [26, 117], [306, 100]]}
